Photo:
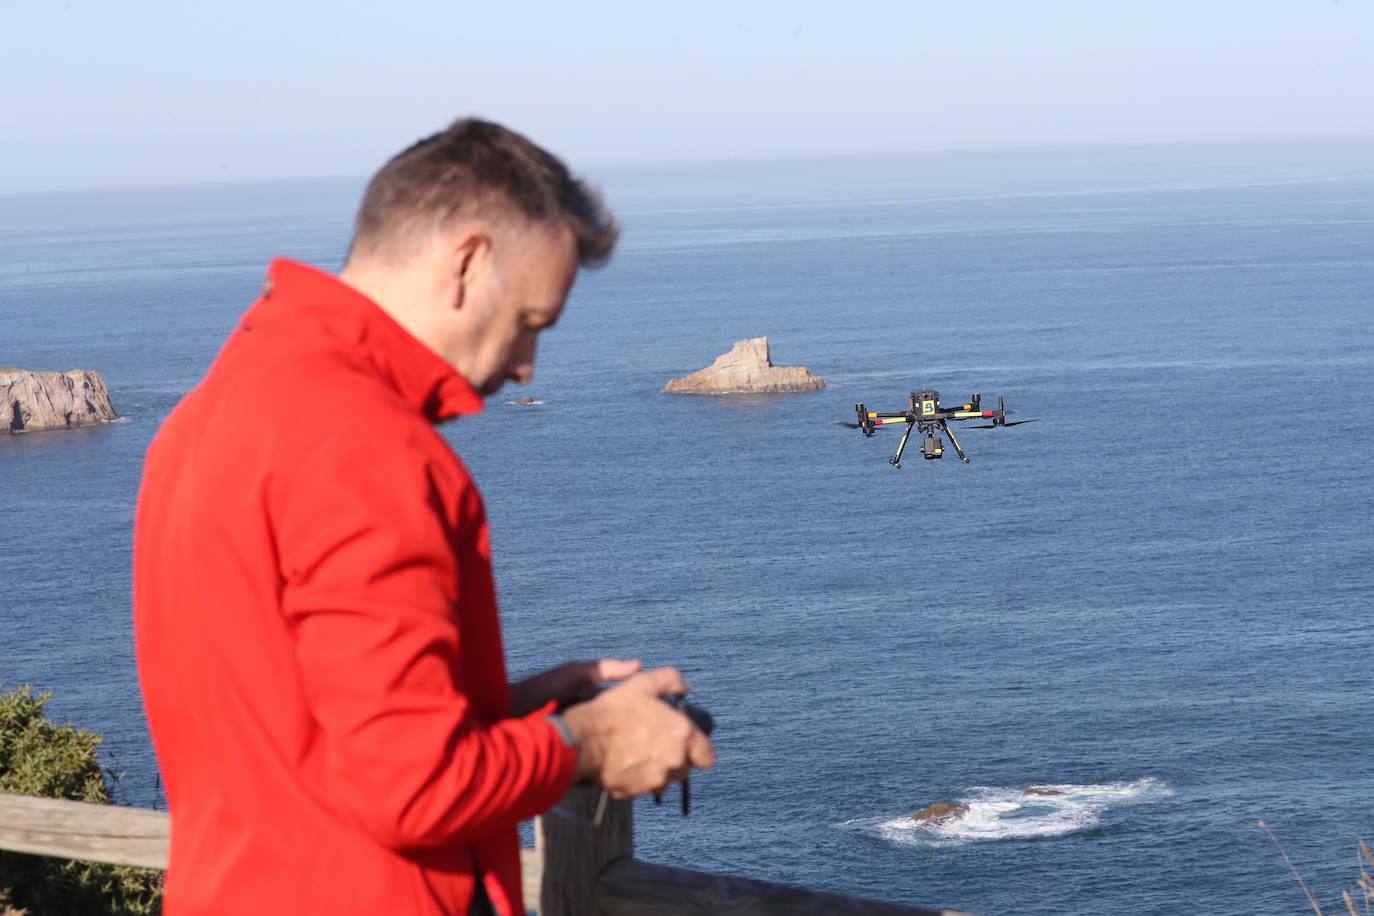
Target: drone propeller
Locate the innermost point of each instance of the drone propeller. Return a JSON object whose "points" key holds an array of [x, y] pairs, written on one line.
{"points": [[995, 425], [848, 425], [999, 417]]}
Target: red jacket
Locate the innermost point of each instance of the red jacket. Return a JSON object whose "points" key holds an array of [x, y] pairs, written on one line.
{"points": [[317, 632]]}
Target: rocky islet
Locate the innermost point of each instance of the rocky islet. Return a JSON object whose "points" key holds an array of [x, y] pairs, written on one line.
{"points": [[747, 369], [52, 400]]}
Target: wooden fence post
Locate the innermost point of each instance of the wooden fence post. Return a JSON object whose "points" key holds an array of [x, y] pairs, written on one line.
{"points": [[575, 851]]}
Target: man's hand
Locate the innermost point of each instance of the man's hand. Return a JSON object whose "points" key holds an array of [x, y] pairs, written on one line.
{"points": [[631, 742], [568, 684]]}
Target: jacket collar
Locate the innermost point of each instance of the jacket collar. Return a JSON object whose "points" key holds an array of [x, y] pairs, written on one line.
{"points": [[418, 374]]}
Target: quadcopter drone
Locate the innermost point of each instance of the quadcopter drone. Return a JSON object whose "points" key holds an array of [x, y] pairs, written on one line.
{"points": [[924, 413]]}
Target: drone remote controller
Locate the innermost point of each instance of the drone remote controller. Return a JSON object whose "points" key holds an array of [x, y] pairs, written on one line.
{"points": [[700, 717], [704, 723]]}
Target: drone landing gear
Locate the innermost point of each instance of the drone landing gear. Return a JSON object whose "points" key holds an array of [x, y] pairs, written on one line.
{"points": [[896, 460], [953, 441], [933, 448]]}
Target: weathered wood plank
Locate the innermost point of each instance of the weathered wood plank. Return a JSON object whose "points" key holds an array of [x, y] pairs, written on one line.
{"points": [[530, 877], [575, 849], [125, 836], [77, 830], [630, 888]]}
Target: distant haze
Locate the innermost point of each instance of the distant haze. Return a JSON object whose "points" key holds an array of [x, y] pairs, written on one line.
{"points": [[109, 95]]}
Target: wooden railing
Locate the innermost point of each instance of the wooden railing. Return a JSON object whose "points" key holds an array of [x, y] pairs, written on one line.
{"points": [[577, 868]]}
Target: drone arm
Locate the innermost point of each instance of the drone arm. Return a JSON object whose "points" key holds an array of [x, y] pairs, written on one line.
{"points": [[887, 419]]}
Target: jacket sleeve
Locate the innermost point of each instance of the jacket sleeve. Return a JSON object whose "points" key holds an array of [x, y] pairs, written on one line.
{"points": [[368, 591]]}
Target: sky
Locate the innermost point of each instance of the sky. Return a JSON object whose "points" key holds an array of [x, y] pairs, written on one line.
{"points": [[100, 94]]}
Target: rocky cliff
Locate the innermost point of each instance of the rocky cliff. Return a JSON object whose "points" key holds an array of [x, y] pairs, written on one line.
{"points": [[747, 368], [52, 400]]}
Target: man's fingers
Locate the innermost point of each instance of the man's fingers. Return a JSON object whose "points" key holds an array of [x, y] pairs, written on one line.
{"points": [[614, 669], [643, 743], [700, 755], [700, 751], [662, 682]]}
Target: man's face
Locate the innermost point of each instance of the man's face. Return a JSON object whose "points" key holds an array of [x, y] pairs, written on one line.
{"points": [[514, 293]]}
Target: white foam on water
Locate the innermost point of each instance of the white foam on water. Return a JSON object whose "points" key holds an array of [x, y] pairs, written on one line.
{"points": [[1010, 813]]}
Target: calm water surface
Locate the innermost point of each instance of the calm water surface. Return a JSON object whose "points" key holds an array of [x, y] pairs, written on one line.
{"points": [[1156, 600]]}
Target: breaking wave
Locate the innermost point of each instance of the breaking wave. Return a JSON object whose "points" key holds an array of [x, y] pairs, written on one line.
{"points": [[1006, 813]]}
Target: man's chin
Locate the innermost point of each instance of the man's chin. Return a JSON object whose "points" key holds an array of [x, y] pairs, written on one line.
{"points": [[491, 387]]}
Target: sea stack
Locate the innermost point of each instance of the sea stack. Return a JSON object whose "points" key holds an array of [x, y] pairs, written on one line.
{"points": [[52, 400], [746, 369]]}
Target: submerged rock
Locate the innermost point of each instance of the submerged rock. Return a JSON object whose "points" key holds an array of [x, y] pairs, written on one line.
{"points": [[939, 813], [1038, 790], [746, 369], [52, 400]]}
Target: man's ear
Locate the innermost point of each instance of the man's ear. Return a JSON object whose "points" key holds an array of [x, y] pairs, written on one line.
{"points": [[468, 257]]}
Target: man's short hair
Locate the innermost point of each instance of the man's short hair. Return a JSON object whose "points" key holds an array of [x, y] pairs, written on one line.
{"points": [[483, 170]]}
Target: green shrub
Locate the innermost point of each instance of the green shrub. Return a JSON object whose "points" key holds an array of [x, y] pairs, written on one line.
{"points": [[42, 759]]}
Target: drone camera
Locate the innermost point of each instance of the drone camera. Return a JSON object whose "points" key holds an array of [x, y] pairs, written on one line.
{"points": [[934, 447]]}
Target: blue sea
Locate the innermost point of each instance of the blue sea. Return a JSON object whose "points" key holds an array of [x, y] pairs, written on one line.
{"points": [[1156, 600]]}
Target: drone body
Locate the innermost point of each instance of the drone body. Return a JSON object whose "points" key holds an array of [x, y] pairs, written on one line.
{"points": [[925, 413]]}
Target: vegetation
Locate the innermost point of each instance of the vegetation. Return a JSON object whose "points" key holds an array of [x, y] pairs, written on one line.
{"points": [[42, 759], [1365, 882]]}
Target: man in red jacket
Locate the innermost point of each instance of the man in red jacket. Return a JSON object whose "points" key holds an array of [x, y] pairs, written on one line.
{"points": [[316, 624]]}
